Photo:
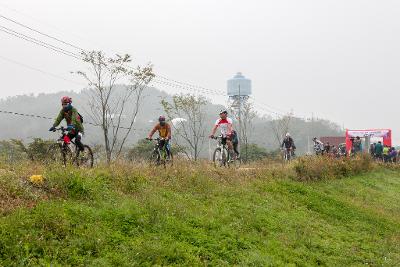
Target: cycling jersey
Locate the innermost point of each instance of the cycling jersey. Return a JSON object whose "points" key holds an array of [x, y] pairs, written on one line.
{"points": [[164, 131], [72, 117], [288, 143], [225, 125]]}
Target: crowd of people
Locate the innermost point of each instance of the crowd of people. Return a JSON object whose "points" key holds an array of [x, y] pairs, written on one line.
{"points": [[377, 150], [327, 149], [383, 153]]}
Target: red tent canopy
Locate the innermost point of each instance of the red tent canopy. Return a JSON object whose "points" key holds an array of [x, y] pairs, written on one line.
{"points": [[386, 134]]}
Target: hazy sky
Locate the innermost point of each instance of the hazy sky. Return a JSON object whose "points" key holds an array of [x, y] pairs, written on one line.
{"points": [[337, 59]]}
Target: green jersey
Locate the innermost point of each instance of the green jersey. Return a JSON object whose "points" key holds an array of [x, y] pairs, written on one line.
{"points": [[72, 117]]}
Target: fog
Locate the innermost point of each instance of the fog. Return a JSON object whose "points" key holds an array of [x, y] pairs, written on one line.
{"points": [[335, 59]]}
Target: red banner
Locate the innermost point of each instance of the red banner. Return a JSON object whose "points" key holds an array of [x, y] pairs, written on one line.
{"points": [[385, 134]]}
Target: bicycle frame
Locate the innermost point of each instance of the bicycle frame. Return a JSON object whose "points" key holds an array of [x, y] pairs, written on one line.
{"points": [[223, 148], [288, 154], [72, 151], [162, 152], [220, 143], [62, 140]]}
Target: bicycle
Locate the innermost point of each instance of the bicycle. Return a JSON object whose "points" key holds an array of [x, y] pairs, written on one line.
{"points": [[159, 155], [221, 157], [288, 154], [66, 151]]}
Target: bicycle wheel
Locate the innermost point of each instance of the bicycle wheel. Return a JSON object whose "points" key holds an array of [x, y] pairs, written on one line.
{"points": [[220, 157], [67, 155], [287, 156], [236, 162], [169, 160], [163, 157], [217, 159], [155, 157], [55, 154], [59, 154], [85, 158]]}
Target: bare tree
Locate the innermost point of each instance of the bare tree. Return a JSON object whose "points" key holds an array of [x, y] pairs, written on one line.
{"points": [[113, 107], [245, 125], [191, 129], [280, 127]]}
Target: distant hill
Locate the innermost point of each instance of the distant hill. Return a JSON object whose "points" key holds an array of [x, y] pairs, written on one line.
{"points": [[48, 105]]}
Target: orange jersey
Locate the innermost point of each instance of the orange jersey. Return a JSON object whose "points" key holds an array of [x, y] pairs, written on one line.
{"points": [[164, 131]]}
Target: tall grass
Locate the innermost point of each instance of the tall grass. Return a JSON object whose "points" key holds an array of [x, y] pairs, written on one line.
{"points": [[195, 215], [322, 167]]}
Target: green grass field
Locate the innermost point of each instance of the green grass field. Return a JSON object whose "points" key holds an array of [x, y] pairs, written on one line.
{"points": [[196, 216]]}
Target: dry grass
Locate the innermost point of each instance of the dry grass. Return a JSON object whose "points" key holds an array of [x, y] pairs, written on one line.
{"points": [[16, 190], [320, 168], [192, 214]]}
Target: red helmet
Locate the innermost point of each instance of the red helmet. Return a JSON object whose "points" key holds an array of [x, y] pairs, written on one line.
{"points": [[66, 100], [161, 118]]}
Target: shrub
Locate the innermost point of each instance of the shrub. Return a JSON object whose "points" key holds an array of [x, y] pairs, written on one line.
{"points": [[319, 168], [78, 183], [254, 152]]}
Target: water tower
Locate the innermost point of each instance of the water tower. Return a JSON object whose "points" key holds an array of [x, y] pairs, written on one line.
{"points": [[239, 91]]}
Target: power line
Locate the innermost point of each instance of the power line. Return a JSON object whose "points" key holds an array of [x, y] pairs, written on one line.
{"points": [[208, 92], [39, 70], [37, 40], [267, 110], [47, 24], [163, 82], [218, 93], [191, 85], [48, 118], [162, 79], [41, 33], [268, 106], [40, 43], [167, 81]]}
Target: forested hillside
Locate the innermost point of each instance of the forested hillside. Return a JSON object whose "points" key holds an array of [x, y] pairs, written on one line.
{"points": [[48, 105]]}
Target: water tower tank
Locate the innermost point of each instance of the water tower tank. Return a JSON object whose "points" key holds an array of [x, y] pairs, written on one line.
{"points": [[235, 82]]}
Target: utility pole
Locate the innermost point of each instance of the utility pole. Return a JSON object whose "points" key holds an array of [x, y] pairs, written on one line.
{"points": [[240, 121]]}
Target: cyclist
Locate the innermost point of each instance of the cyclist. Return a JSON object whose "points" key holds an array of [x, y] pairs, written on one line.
{"points": [[357, 145], [288, 144], [318, 146], [74, 121], [226, 127], [164, 131], [235, 143]]}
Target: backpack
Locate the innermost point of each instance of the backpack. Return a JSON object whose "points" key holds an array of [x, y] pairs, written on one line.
{"points": [[80, 117]]}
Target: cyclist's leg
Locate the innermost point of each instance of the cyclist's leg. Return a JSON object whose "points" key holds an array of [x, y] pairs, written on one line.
{"points": [[230, 148], [168, 148], [78, 141], [229, 144], [161, 144], [72, 135], [235, 148]]}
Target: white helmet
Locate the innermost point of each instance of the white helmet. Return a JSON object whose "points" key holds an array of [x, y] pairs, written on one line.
{"points": [[287, 134]]}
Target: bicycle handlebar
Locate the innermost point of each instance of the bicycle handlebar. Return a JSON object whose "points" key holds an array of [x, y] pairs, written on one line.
{"points": [[156, 139], [62, 129], [216, 137]]}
